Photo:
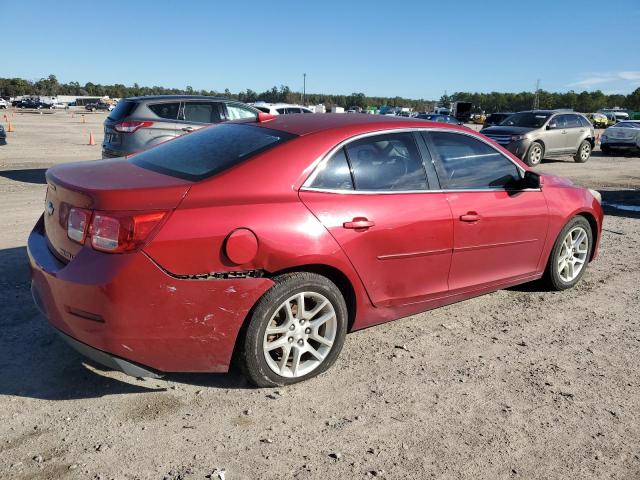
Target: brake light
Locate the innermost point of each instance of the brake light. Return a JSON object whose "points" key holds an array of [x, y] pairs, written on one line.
{"points": [[78, 224], [130, 127], [123, 232]]}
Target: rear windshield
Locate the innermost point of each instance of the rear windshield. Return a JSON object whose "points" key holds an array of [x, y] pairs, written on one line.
{"points": [[123, 109], [209, 151]]}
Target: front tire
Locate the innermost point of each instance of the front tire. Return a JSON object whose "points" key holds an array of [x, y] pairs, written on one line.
{"points": [[570, 255], [583, 153], [535, 154], [296, 330]]}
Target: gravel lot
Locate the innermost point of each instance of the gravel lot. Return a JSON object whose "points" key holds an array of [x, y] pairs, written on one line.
{"points": [[520, 383]]}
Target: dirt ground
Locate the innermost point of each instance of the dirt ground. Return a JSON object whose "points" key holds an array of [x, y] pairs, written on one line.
{"points": [[520, 383]]}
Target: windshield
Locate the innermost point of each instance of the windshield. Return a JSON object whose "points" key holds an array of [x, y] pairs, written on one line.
{"points": [[526, 119], [209, 151]]}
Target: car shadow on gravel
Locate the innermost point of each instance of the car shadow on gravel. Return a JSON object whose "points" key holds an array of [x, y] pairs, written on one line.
{"points": [[621, 203], [34, 361], [27, 175]]}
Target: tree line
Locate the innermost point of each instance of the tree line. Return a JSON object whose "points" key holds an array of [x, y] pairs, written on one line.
{"points": [[486, 102]]}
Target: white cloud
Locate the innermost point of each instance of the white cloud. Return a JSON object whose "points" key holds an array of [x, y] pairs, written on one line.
{"points": [[628, 77]]}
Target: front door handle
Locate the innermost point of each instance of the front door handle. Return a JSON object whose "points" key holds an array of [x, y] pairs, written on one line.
{"points": [[188, 129], [358, 223], [470, 217]]}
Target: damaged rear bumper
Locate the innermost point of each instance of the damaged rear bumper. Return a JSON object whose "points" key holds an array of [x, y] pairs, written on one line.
{"points": [[124, 311]]}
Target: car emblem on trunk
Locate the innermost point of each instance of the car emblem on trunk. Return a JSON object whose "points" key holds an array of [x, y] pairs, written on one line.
{"points": [[50, 208]]}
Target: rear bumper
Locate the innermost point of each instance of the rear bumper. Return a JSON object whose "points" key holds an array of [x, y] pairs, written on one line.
{"points": [[124, 308]]}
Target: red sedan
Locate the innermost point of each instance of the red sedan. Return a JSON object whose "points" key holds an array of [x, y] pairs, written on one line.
{"points": [[266, 242]]}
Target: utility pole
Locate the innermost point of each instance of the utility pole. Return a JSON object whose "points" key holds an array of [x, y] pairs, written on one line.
{"points": [[536, 97], [304, 87]]}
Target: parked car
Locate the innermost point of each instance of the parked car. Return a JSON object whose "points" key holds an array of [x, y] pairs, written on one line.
{"points": [[4, 103], [621, 136], [62, 106], [238, 241], [99, 106], [438, 117], [138, 123], [35, 104], [536, 134], [598, 120], [496, 118], [3, 135], [280, 108]]}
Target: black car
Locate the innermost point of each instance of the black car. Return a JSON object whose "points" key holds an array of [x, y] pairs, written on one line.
{"points": [[496, 118], [33, 104], [439, 117], [98, 106]]}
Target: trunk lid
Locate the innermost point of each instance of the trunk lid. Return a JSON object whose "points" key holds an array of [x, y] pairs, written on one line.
{"points": [[106, 185]]}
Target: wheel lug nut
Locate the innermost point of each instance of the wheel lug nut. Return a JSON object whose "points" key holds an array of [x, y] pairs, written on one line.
{"points": [[307, 331], [300, 342], [290, 339], [302, 321], [292, 327]]}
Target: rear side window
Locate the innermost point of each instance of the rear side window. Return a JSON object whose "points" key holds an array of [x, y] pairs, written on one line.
{"points": [[201, 112], [464, 162], [209, 151], [388, 162], [123, 109], [573, 121], [583, 121], [166, 110], [335, 174]]}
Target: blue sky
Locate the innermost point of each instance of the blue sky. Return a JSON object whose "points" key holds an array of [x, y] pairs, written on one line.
{"points": [[415, 49]]}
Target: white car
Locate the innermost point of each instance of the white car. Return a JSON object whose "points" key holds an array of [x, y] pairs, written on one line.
{"points": [[280, 108], [623, 135], [60, 105], [4, 103]]}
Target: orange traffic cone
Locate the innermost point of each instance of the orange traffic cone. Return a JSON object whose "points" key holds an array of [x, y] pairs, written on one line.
{"points": [[10, 127], [91, 140]]}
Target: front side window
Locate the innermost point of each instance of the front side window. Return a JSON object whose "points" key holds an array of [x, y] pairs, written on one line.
{"points": [[201, 112], [334, 174], [238, 112], [559, 121], [166, 110], [388, 162], [464, 163], [281, 111]]}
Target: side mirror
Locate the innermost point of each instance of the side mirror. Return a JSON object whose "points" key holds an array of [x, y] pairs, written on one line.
{"points": [[531, 180], [552, 125]]}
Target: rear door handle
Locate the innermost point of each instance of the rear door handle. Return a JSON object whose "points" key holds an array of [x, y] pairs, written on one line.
{"points": [[470, 217], [188, 129], [359, 222]]}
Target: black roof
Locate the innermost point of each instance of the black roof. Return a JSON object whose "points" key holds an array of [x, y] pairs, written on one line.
{"points": [[178, 97]]}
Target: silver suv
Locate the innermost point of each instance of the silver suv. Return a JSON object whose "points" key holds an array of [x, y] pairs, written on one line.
{"points": [[138, 123], [536, 134]]}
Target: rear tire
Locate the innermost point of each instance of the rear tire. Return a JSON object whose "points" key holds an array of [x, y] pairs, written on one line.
{"points": [[583, 153], [570, 255], [534, 155], [297, 346]]}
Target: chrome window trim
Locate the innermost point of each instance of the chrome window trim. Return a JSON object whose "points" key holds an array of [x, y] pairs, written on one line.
{"points": [[409, 192], [321, 161]]}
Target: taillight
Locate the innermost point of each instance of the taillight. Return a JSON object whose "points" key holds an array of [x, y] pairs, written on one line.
{"points": [[123, 232], [130, 127], [78, 224]]}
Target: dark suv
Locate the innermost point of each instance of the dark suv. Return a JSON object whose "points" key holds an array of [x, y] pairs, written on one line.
{"points": [[537, 134], [138, 123]]}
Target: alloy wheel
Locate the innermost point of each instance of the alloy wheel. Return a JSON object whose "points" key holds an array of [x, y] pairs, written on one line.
{"points": [[573, 254], [585, 151], [300, 334], [535, 156]]}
